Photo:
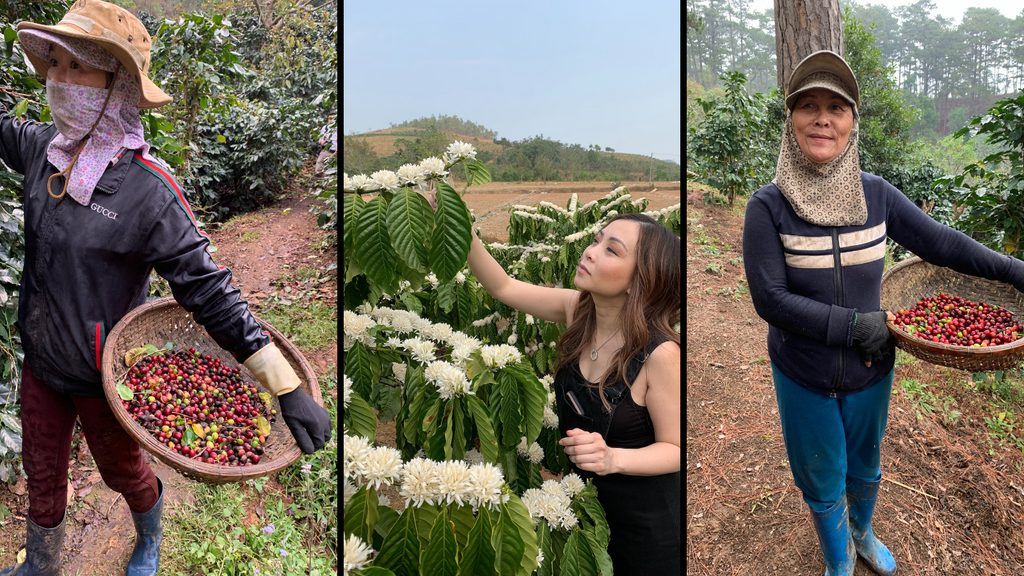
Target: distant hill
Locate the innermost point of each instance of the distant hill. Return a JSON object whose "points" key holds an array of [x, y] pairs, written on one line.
{"points": [[534, 158]]}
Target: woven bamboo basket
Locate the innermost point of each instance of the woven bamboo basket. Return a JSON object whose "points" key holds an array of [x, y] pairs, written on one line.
{"points": [[909, 281], [163, 321]]}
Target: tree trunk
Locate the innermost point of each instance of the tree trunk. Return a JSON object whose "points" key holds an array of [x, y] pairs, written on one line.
{"points": [[803, 27]]}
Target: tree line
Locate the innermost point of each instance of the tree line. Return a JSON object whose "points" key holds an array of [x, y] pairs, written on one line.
{"points": [[942, 68]]}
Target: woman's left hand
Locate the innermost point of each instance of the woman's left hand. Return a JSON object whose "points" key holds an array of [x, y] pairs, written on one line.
{"points": [[588, 451]]}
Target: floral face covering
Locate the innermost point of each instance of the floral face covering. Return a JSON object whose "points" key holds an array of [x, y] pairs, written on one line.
{"points": [[75, 109]]}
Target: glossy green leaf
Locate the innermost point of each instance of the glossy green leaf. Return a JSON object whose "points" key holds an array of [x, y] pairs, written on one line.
{"points": [[594, 510], [478, 555], [510, 419], [451, 237], [577, 558], [440, 558], [351, 207], [372, 244], [536, 398], [400, 551], [358, 368], [425, 517], [375, 571], [410, 221], [361, 420], [361, 513], [484, 427], [462, 518], [508, 545], [521, 517], [548, 566], [601, 557], [446, 295]]}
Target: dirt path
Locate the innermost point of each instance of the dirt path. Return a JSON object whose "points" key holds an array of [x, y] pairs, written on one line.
{"points": [[743, 513], [264, 250]]}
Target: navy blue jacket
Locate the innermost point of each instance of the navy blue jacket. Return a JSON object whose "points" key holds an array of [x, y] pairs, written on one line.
{"points": [[807, 281], [86, 267]]}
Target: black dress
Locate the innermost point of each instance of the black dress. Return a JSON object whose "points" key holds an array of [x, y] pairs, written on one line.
{"points": [[642, 511]]}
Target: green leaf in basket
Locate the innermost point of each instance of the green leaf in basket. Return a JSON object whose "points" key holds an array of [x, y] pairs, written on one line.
{"points": [[263, 426], [168, 345], [124, 392], [189, 436], [149, 349]]}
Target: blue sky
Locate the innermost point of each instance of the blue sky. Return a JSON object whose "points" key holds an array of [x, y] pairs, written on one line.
{"points": [[605, 73]]}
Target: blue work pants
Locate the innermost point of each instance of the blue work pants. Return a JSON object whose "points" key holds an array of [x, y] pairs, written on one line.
{"points": [[828, 439]]}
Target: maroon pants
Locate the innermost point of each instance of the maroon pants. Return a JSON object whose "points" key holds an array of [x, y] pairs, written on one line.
{"points": [[48, 420]]}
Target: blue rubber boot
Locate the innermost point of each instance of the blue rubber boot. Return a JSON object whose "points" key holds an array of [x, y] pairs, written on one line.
{"points": [[149, 532], [861, 496], [42, 551], [833, 527]]}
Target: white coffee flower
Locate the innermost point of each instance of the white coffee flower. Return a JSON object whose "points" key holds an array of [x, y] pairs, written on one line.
{"points": [[547, 380], [357, 327], [453, 481], [432, 278], [523, 448], [399, 370], [356, 449], [383, 500], [411, 173], [386, 179], [422, 325], [461, 353], [485, 486], [356, 554], [512, 339], [349, 490], [441, 332], [433, 166], [572, 484], [545, 259], [393, 342], [566, 519], [401, 323], [460, 278], [552, 487], [499, 356], [347, 392], [550, 418], [362, 183], [473, 457], [536, 454], [529, 320], [573, 201], [421, 350], [552, 344], [420, 483], [348, 184], [457, 150], [383, 466]]}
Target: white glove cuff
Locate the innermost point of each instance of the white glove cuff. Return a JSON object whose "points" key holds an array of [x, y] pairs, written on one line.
{"points": [[272, 370]]}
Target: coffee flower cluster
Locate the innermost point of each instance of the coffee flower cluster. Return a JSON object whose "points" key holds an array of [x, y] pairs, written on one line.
{"points": [[450, 380], [356, 554], [553, 502], [347, 392], [534, 453], [369, 465], [413, 175], [453, 481]]}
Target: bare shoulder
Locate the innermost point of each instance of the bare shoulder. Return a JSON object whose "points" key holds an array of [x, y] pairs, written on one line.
{"points": [[665, 361]]}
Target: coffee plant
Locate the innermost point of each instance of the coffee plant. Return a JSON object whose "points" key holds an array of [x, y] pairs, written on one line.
{"points": [[426, 346]]}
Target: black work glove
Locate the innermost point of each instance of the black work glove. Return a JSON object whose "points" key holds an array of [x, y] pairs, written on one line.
{"points": [[870, 336], [309, 422]]}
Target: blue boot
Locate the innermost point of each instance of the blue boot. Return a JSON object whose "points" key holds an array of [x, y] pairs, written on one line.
{"points": [[149, 533], [42, 551], [833, 527], [861, 496]]}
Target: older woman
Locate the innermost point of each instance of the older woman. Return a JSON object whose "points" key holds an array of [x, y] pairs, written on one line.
{"points": [[814, 253]]}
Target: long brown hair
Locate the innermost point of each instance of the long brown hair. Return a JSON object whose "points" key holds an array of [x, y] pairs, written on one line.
{"points": [[652, 305]]}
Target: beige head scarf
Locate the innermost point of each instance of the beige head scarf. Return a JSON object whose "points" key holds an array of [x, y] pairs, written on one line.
{"points": [[829, 194]]}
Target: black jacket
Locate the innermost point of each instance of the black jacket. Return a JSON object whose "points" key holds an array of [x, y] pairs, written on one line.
{"points": [[86, 267], [807, 281]]}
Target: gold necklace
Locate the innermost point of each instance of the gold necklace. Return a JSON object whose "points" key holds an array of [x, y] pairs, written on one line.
{"points": [[593, 353]]}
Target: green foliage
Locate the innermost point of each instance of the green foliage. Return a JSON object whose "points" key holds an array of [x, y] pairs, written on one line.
{"points": [[958, 118], [928, 121], [993, 215], [885, 118], [725, 150], [450, 124]]}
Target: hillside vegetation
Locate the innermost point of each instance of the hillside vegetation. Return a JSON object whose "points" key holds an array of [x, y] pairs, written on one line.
{"points": [[530, 159]]}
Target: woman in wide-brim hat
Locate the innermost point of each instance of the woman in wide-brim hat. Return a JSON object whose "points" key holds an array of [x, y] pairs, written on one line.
{"points": [[814, 253], [100, 214]]}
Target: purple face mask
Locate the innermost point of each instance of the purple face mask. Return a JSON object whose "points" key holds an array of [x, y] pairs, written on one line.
{"points": [[75, 110]]}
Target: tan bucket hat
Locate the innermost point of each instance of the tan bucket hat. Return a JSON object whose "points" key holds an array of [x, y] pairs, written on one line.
{"points": [[843, 82], [113, 28]]}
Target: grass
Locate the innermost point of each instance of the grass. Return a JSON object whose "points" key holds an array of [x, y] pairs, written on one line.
{"points": [[249, 236], [288, 539], [309, 325]]}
